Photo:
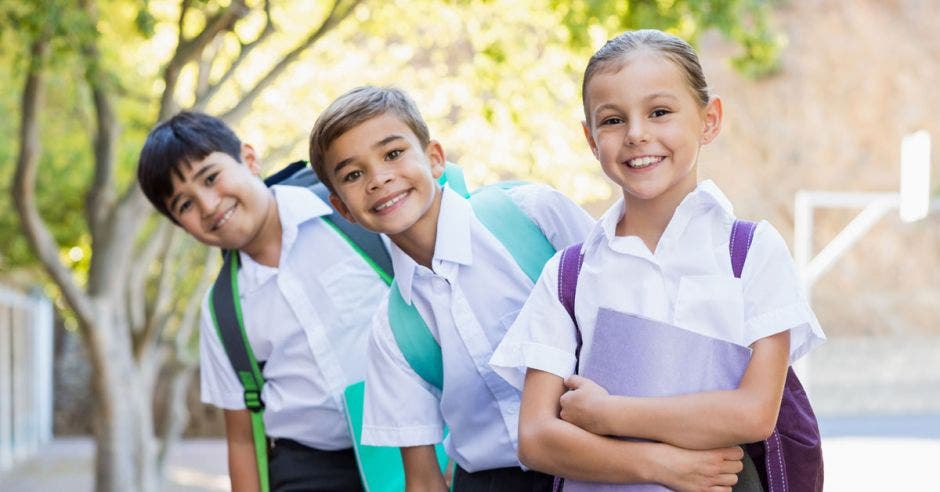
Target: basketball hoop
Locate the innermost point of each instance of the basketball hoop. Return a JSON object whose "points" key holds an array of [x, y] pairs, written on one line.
{"points": [[914, 199]]}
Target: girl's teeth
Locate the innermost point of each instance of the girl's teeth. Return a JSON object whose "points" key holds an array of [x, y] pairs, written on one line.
{"points": [[642, 162]]}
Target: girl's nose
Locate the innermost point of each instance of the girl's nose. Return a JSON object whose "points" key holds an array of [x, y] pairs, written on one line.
{"points": [[636, 134]]}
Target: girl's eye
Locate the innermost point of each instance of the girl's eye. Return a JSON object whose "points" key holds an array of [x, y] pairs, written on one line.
{"points": [[659, 112], [183, 207], [393, 154], [350, 177], [211, 178]]}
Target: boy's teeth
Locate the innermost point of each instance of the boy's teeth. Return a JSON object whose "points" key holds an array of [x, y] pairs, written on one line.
{"points": [[225, 217], [391, 202], [641, 162]]}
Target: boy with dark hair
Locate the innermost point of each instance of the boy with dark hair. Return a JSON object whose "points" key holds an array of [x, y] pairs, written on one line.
{"points": [[372, 148], [305, 295]]}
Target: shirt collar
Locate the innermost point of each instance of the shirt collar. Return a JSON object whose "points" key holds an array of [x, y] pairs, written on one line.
{"points": [[705, 196], [295, 205], [452, 244]]}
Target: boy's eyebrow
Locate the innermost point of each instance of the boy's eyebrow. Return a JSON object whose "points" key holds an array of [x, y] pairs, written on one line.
{"points": [[176, 197], [347, 161]]}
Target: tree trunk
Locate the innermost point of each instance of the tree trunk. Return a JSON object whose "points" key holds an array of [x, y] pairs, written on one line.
{"points": [[125, 458]]}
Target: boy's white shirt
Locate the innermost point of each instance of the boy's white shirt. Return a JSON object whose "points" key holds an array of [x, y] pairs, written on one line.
{"points": [[468, 301], [688, 282], [309, 319]]}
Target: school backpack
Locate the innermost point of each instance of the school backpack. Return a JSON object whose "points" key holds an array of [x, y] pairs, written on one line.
{"points": [[380, 467], [791, 458]]}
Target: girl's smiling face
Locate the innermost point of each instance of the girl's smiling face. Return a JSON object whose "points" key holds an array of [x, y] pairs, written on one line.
{"points": [[646, 127]]}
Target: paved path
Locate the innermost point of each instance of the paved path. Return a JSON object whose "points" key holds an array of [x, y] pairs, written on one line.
{"points": [[854, 463]]}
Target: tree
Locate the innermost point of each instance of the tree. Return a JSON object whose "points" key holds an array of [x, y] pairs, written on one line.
{"points": [[124, 309], [135, 297]]}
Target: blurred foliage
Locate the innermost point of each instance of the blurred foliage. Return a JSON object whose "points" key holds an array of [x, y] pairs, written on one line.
{"points": [[497, 80]]}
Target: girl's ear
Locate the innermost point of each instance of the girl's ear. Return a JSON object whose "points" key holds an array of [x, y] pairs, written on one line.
{"points": [[340, 207], [435, 154], [250, 159], [590, 138], [713, 114]]}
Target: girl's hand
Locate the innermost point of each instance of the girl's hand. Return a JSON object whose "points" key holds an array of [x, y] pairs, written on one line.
{"points": [[694, 471], [583, 404]]}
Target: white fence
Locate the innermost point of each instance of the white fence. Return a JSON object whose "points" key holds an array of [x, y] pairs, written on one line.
{"points": [[26, 344]]}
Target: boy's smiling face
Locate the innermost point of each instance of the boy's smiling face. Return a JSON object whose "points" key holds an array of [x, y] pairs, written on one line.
{"points": [[222, 202], [384, 180]]}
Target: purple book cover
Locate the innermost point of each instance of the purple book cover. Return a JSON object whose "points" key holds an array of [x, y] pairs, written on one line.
{"points": [[635, 356]]}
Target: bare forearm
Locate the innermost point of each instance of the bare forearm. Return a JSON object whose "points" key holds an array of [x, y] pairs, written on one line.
{"points": [[559, 448], [552, 445], [242, 465], [243, 469], [422, 473], [696, 421]]}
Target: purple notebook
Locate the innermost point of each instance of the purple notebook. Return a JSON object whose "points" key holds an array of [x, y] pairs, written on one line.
{"points": [[627, 358]]}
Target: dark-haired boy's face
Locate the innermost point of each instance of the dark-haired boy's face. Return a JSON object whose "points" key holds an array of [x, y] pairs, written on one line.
{"points": [[220, 201], [384, 179]]}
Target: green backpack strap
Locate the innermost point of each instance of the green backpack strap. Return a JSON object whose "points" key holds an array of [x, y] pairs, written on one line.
{"points": [[226, 312]]}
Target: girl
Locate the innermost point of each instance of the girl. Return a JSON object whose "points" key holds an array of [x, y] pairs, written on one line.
{"points": [[668, 342]]}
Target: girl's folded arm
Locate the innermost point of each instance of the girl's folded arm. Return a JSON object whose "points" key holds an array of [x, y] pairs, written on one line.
{"points": [[551, 445], [695, 421]]}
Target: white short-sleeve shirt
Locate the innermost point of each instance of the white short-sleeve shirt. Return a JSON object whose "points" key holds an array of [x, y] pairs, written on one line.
{"points": [[687, 282], [309, 320], [468, 300]]}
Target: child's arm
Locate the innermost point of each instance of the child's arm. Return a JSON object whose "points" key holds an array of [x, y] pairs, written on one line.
{"points": [[551, 445], [695, 421], [242, 466], [422, 472]]}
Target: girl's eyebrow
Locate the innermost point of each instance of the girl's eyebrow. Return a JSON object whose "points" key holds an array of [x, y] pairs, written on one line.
{"points": [[660, 95]]}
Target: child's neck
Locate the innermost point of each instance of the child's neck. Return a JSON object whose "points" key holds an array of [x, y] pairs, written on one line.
{"points": [[419, 240], [265, 247], [648, 219]]}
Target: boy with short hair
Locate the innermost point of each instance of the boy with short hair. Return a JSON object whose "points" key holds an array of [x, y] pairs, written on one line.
{"points": [[373, 150], [306, 299]]}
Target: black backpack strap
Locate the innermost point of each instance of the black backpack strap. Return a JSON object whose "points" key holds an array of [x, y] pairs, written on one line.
{"points": [[225, 307]]}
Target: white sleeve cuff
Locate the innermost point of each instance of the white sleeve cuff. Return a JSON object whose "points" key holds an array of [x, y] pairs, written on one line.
{"points": [[402, 436], [511, 360], [805, 332]]}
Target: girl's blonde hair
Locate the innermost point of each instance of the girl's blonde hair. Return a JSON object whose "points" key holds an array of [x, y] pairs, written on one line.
{"points": [[612, 56]]}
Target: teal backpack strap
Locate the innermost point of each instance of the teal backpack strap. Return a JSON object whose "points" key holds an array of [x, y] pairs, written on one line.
{"points": [[453, 176], [226, 312], [414, 339], [517, 232]]}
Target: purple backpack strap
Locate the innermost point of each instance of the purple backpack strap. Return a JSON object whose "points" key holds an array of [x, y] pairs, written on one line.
{"points": [[569, 268], [792, 455]]}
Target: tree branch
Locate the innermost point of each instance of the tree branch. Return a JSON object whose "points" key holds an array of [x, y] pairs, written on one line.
{"points": [[160, 312], [335, 16], [24, 188], [190, 49], [202, 100], [158, 242]]}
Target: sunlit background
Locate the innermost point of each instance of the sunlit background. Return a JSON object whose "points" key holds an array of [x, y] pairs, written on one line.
{"points": [[818, 95]]}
